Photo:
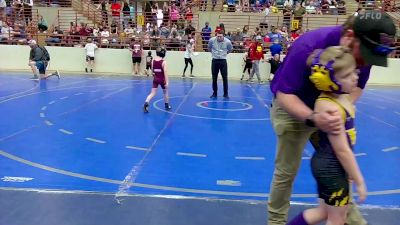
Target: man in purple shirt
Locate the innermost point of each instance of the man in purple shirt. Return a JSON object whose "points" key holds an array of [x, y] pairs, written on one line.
{"points": [[370, 37]]}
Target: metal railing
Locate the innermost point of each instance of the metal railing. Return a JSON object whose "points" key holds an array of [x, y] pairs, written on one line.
{"points": [[52, 3]]}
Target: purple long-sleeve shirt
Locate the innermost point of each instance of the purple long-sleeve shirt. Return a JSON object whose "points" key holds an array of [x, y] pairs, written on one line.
{"points": [[292, 76]]}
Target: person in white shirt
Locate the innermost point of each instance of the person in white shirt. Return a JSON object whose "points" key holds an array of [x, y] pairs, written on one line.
{"points": [[160, 17], [129, 31], [90, 48], [6, 32], [104, 34], [188, 57]]}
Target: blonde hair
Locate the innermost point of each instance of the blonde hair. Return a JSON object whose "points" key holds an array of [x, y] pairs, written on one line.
{"points": [[341, 56]]}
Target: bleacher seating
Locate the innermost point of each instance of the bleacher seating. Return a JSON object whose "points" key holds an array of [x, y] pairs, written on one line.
{"points": [[86, 12]]}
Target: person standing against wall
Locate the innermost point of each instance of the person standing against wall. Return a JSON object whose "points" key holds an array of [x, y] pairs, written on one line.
{"points": [[188, 57], [137, 53], [256, 54]]}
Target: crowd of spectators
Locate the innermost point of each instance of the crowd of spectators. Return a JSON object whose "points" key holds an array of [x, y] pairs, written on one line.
{"points": [[171, 24]]}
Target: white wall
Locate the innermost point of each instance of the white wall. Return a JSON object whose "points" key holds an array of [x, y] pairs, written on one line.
{"points": [[386, 75], [117, 61]]}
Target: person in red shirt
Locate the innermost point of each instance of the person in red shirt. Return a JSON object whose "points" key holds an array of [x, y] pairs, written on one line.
{"points": [[294, 35], [189, 14], [116, 11], [256, 54], [219, 28]]}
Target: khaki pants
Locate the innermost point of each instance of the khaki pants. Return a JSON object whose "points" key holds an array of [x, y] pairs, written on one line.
{"points": [[292, 138]]}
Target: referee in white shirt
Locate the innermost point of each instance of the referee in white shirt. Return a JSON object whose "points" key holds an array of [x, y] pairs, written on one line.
{"points": [[219, 46]]}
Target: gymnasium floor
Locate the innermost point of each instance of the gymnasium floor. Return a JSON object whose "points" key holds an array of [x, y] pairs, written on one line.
{"points": [[84, 141]]}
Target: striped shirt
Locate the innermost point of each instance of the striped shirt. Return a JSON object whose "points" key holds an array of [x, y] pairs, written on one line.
{"points": [[219, 50]]}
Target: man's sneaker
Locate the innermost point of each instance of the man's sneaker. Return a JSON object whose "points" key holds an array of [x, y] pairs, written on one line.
{"points": [[226, 96], [167, 107], [35, 77], [213, 96], [183, 76], [192, 76], [146, 107]]}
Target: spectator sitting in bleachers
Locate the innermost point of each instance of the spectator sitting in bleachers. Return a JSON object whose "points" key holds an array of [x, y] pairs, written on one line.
{"points": [[224, 6], [114, 28], [85, 30], [130, 31], [189, 14], [288, 3], [6, 32], [285, 34], [245, 5], [95, 32], [231, 5], [213, 3], [325, 6], [238, 8], [310, 7], [146, 41], [174, 41], [181, 30], [273, 7], [294, 35], [164, 31], [155, 37], [73, 29], [341, 8], [189, 29], [104, 34], [275, 35], [229, 36], [237, 36], [333, 7], [42, 24], [205, 35], [257, 7], [55, 38], [266, 40]]}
